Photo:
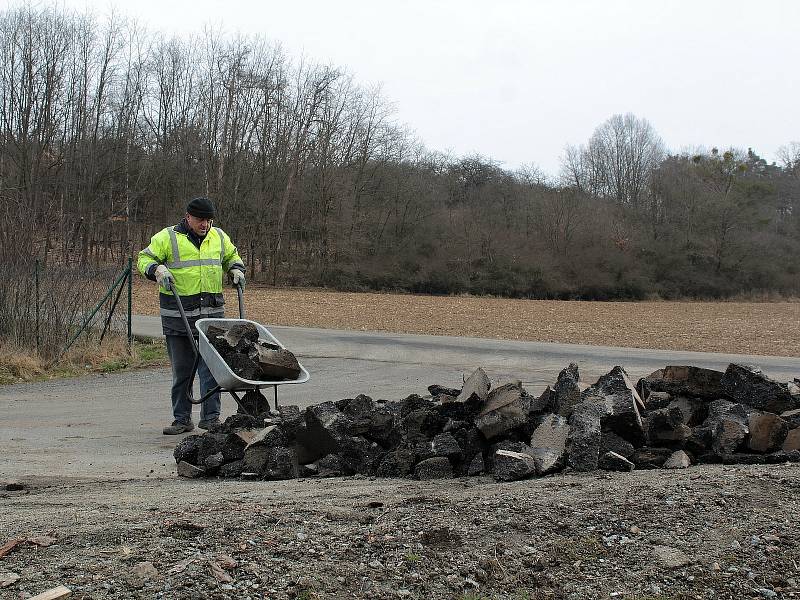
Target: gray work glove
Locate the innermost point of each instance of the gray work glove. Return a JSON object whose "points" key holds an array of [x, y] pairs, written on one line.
{"points": [[237, 277], [163, 276]]}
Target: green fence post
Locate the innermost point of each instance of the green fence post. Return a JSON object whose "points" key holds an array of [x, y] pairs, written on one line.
{"points": [[130, 304], [114, 305], [118, 282]]}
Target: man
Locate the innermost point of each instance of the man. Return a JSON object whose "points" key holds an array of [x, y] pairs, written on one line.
{"points": [[192, 255]]}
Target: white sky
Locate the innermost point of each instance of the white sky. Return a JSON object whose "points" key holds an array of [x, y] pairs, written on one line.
{"points": [[517, 80]]}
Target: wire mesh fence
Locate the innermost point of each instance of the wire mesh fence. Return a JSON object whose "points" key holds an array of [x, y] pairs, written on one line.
{"points": [[45, 309]]}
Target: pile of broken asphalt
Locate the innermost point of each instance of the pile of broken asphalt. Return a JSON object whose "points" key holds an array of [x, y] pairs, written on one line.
{"points": [[676, 417]]}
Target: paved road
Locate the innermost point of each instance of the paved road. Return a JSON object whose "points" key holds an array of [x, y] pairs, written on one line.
{"points": [[109, 426], [536, 363]]}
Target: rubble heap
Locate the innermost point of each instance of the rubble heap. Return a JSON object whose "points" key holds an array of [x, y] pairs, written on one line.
{"points": [[251, 358], [673, 418]]}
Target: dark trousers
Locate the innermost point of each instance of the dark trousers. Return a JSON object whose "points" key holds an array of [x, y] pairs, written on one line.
{"points": [[181, 356]]}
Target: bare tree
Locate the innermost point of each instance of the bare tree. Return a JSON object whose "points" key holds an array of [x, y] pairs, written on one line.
{"points": [[618, 161]]}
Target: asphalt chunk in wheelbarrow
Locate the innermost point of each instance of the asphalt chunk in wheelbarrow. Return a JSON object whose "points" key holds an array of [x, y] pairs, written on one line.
{"points": [[216, 337], [249, 358], [213, 331], [226, 342], [243, 366], [275, 363], [222, 345], [241, 331]]}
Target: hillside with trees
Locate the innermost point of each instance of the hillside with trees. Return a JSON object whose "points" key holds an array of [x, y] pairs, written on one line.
{"points": [[107, 131]]}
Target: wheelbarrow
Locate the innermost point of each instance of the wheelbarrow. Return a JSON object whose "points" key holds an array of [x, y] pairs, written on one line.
{"points": [[227, 380]]}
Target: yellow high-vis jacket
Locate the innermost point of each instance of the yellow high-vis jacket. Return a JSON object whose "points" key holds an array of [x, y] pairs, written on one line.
{"points": [[198, 267]]}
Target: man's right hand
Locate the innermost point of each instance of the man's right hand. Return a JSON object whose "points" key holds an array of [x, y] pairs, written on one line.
{"points": [[163, 276]]}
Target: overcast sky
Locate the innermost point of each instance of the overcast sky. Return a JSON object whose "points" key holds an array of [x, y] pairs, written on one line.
{"points": [[518, 80]]}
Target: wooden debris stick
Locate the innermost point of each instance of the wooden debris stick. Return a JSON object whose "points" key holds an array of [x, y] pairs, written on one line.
{"points": [[9, 546], [54, 594]]}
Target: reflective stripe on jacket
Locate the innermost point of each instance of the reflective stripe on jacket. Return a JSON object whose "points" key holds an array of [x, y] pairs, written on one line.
{"points": [[197, 272]]}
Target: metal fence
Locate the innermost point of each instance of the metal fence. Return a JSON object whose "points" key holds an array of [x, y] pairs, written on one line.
{"points": [[47, 309]]}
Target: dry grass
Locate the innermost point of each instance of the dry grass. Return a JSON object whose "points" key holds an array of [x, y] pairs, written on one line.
{"points": [[18, 365], [762, 328], [21, 365]]}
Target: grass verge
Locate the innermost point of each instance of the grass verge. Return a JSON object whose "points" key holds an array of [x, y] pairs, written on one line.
{"points": [[20, 365]]}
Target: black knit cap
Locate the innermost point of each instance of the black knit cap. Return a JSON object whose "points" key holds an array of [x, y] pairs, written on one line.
{"points": [[202, 208]]}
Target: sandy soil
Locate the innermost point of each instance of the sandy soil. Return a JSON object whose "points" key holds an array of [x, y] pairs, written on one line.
{"points": [[768, 328]]}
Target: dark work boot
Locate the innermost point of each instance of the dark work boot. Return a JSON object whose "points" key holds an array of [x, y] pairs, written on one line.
{"points": [[178, 427]]}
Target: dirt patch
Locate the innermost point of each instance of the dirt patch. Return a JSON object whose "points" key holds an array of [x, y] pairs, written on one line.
{"points": [[729, 327], [712, 532]]}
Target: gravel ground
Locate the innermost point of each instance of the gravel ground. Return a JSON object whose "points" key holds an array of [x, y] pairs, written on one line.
{"points": [[763, 328], [706, 532]]}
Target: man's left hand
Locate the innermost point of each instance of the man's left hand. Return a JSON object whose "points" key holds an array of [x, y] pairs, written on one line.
{"points": [[237, 277]]}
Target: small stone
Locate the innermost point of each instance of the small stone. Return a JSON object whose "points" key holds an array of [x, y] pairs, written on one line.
{"points": [[766, 593], [186, 469], [8, 579], [145, 570], [671, 558], [678, 460]]}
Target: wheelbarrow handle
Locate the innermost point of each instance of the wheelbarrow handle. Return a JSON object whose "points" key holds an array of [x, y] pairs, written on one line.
{"points": [[171, 288], [241, 300]]}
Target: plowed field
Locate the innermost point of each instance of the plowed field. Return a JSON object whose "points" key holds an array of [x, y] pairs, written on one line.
{"points": [[768, 328]]}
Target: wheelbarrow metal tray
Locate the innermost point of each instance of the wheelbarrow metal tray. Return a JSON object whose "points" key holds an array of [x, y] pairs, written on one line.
{"points": [[225, 377]]}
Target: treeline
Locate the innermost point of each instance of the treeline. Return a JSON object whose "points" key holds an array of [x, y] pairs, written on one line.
{"points": [[108, 130]]}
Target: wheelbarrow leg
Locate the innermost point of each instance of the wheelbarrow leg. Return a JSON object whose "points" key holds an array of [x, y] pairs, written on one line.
{"points": [[239, 402]]}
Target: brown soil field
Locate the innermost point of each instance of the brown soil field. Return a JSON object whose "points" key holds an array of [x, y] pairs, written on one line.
{"points": [[761, 328]]}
